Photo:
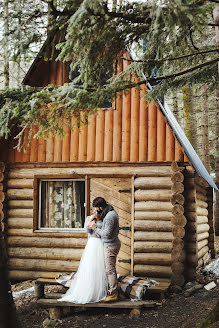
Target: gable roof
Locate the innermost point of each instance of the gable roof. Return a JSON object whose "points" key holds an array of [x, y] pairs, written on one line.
{"points": [[179, 133], [183, 140]]}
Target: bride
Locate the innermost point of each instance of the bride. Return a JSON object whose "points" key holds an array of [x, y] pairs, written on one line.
{"points": [[90, 282]]}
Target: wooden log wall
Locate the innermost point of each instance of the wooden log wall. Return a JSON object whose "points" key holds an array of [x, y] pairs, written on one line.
{"points": [[159, 226], [132, 130], [33, 253], [117, 192], [178, 225], [197, 228]]}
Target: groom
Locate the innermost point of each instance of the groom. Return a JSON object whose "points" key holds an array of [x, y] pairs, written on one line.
{"points": [[108, 229]]}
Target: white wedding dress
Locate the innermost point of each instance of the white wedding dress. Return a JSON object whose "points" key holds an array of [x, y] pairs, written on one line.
{"points": [[90, 282]]}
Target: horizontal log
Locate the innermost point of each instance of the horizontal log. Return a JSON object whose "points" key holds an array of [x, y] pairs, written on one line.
{"points": [[178, 255], [202, 219], [200, 196], [148, 171], [153, 206], [177, 209], [43, 233], [154, 195], [20, 183], [177, 267], [202, 228], [152, 258], [177, 187], [200, 190], [179, 220], [43, 265], [20, 212], [201, 182], [178, 231], [47, 242], [155, 236], [20, 223], [152, 225], [152, 247], [193, 237], [201, 203], [177, 279], [177, 199], [193, 194], [193, 247], [46, 253], [202, 243], [164, 216], [203, 251], [20, 204], [153, 183], [17, 194], [152, 270], [204, 260], [22, 275], [177, 177]]}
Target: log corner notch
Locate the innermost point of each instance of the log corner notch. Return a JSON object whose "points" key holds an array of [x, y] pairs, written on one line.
{"points": [[178, 223], [2, 195]]}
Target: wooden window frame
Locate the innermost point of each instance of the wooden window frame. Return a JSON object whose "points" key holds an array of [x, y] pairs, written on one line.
{"points": [[36, 201]]}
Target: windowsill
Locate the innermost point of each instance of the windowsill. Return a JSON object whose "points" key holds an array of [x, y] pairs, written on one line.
{"points": [[61, 230]]}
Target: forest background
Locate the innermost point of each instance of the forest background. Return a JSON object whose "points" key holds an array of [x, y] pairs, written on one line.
{"points": [[174, 46]]}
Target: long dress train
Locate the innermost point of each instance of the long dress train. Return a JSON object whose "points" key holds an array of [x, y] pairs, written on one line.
{"points": [[90, 282]]}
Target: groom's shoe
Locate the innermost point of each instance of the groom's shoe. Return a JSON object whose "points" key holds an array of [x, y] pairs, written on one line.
{"points": [[111, 297]]}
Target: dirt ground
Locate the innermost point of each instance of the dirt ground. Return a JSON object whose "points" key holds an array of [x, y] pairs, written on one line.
{"points": [[176, 311]]}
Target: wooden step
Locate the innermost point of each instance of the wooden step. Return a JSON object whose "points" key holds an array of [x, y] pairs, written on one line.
{"points": [[115, 305]]}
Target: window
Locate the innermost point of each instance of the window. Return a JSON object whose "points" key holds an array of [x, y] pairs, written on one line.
{"points": [[61, 204]]}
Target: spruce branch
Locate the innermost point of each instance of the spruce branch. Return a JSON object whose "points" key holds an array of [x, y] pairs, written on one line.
{"points": [[170, 58], [170, 76]]}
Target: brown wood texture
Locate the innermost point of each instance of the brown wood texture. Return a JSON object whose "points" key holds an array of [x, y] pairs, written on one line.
{"points": [[152, 131], [91, 137], [108, 135], [143, 126], [110, 190], [133, 131], [161, 136], [134, 140], [117, 120], [126, 120]]}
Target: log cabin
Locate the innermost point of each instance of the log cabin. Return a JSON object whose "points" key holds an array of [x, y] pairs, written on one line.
{"points": [[132, 153]]}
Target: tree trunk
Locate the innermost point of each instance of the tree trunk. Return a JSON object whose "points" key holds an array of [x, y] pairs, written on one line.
{"points": [[216, 20], [190, 116], [205, 139], [8, 318], [6, 57], [175, 105]]}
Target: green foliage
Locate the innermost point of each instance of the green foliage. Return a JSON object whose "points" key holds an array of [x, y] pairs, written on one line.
{"points": [[93, 35]]}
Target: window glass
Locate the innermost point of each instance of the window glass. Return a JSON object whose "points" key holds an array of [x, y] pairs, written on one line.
{"points": [[62, 204]]}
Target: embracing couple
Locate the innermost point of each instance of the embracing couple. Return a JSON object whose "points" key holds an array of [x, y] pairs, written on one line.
{"points": [[96, 278]]}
